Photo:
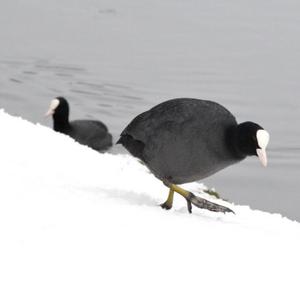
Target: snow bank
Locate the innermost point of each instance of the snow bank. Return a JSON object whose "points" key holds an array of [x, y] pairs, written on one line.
{"points": [[78, 224]]}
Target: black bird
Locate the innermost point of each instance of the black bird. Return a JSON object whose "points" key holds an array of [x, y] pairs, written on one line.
{"points": [[185, 140], [87, 132]]}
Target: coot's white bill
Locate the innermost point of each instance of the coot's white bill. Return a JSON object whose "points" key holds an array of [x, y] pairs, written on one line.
{"points": [[263, 138], [53, 105]]}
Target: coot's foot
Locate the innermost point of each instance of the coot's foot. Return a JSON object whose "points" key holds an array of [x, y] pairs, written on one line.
{"points": [[166, 206], [169, 202], [208, 205], [189, 206]]}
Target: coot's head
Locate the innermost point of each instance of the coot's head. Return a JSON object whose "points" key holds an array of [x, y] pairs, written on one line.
{"points": [[59, 108], [252, 140]]}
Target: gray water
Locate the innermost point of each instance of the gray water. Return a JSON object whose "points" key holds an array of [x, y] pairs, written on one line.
{"points": [[115, 59]]}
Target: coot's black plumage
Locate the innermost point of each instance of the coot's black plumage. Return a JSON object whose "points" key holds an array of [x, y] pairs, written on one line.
{"points": [[184, 140], [87, 132]]}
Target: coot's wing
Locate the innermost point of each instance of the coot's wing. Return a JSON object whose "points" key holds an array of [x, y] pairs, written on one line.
{"points": [[91, 133], [94, 125], [144, 125]]}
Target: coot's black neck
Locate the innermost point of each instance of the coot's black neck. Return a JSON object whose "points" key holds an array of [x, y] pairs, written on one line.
{"points": [[233, 142], [61, 123], [242, 139]]}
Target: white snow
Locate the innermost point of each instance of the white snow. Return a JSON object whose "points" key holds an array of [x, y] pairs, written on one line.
{"points": [[78, 224]]}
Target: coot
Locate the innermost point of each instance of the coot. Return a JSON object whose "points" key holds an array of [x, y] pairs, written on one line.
{"points": [[185, 140], [87, 132]]}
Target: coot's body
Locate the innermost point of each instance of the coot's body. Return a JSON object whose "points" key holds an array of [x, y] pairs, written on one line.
{"points": [[88, 132], [183, 140]]}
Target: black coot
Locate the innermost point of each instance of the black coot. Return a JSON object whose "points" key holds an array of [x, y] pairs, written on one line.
{"points": [[184, 140], [87, 132]]}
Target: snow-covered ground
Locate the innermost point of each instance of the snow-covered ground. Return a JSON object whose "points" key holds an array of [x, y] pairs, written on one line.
{"points": [[78, 224], [114, 59]]}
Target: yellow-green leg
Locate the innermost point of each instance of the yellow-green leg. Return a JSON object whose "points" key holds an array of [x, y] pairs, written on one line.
{"points": [[179, 190], [186, 194], [174, 188], [169, 202], [192, 199]]}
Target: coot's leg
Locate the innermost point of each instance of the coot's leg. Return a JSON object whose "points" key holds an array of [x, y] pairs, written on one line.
{"points": [[197, 201], [184, 193], [169, 202]]}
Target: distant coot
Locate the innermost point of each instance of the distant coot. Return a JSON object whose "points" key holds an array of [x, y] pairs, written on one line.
{"points": [[185, 140], [87, 132]]}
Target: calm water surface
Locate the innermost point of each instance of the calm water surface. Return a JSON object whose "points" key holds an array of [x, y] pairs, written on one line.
{"points": [[114, 60]]}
